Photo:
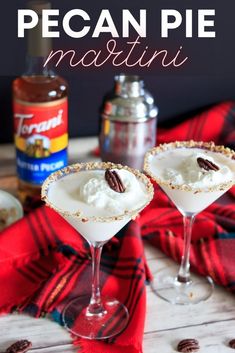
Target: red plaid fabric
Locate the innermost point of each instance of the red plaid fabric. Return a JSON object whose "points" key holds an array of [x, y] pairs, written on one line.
{"points": [[45, 264], [215, 124], [44, 261]]}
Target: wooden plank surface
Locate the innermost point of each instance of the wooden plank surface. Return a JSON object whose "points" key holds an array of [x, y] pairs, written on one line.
{"points": [[213, 338], [212, 322]]}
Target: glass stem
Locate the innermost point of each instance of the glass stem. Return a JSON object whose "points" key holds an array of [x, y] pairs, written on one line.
{"points": [[95, 306], [184, 271]]}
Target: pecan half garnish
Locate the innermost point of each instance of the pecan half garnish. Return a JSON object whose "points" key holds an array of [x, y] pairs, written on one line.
{"points": [[206, 164], [114, 181], [188, 345], [21, 346]]}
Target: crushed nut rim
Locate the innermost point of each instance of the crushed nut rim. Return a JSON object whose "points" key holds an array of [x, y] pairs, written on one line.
{"points": [[209, 146], [74, 168]]}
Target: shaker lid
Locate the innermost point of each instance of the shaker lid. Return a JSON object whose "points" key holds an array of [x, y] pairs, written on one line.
{"points": [[130, 101]]}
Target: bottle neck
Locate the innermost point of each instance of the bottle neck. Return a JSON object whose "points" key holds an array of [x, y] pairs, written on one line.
{"points": [[35, 67], [38, 47]]}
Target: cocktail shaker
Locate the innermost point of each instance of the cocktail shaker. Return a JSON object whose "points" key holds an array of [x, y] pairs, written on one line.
{"points": [[128, 122]]}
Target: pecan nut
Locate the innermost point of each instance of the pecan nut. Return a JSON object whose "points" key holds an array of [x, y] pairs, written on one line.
{"points": [[188, 345], [206, 164], [232, 343], [114, 181], [20, 346]]}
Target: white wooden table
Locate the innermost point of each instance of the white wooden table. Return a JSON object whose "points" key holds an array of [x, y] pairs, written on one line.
{"points": [[212, 322]]}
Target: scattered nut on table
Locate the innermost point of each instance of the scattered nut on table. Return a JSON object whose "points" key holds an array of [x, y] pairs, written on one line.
{"points": [[188, 345]]}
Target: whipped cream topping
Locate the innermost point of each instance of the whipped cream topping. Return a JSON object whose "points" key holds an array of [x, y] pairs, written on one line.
{"points": [[95, 191], [180, 167], [88, 193]]}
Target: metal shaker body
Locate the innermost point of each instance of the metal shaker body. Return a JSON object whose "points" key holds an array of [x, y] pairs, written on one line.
{"points": [[128, 123]]}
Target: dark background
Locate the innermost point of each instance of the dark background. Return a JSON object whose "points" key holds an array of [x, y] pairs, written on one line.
{"points": [[208, 77]]}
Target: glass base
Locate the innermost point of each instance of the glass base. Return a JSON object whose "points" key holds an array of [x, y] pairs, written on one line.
{"points": [[95, 326], [167, 287]]}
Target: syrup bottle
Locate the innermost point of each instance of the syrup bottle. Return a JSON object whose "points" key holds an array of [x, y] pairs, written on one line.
{"points": [[40, 110]]}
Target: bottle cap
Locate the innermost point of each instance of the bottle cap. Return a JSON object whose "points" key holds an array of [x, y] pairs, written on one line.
{"points": [[39, 5], [37, 45]]}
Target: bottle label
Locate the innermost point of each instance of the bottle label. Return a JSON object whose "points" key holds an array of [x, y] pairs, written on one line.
{"points": [[41, 138]]}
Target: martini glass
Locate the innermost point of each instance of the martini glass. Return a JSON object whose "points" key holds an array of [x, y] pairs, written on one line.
{"points": [[183, 287], [92, 317]]}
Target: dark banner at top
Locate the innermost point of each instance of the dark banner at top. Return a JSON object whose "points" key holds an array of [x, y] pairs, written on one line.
{"points": [[164, 37]]}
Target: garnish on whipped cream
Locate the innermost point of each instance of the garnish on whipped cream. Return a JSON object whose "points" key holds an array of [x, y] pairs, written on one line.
{"points": [[206, 164], [114, 181]]}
